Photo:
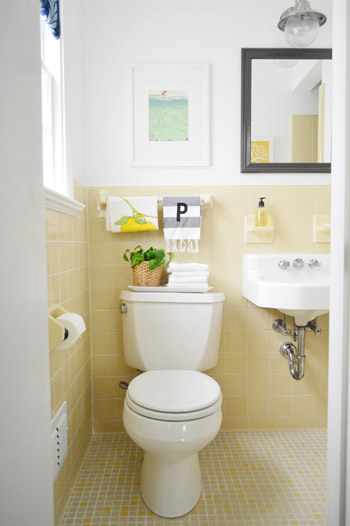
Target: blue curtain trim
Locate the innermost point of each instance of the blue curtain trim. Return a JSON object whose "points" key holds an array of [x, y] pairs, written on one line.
{"points": [[50, 9]]}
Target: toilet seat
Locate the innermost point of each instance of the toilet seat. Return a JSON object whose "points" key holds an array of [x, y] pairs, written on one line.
{"points": [[173, 395], [172, 417]]}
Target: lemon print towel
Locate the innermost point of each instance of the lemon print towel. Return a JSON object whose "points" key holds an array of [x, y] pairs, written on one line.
{"points": [[131, 214]]}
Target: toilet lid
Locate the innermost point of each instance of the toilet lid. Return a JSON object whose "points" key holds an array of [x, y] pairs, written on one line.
{"points": [[174, 391]]}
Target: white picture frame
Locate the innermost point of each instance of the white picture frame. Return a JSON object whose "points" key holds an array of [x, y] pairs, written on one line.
{"points": [[160, 81]]}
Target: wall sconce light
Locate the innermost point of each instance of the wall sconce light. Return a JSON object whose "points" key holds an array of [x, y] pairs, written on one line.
{"points": [[301, 24]]}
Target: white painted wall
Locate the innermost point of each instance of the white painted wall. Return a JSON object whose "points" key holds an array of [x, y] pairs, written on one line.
{"points": [[118, 33], [26, 497]]}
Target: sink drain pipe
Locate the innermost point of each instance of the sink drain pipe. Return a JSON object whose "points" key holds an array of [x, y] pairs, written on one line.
{"points": [[295, 355]]}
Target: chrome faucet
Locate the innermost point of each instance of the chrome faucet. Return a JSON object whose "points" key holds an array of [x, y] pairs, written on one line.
{"points": [[298, 263], [283, 264], [314, 263]]}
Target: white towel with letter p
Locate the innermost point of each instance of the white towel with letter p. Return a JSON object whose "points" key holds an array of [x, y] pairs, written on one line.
{"points": [[182, 223]]}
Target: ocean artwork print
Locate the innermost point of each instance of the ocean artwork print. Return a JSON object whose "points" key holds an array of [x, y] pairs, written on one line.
{"points": [[168, 115]]}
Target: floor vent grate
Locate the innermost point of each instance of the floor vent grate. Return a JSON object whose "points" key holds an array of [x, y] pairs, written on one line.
{"points": [[59, 439]]}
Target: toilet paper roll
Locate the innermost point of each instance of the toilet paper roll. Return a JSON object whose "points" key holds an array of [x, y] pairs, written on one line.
{"points": [[75, 325]]}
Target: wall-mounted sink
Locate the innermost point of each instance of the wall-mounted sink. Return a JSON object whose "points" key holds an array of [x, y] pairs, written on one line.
{"points": [[300, 290]]}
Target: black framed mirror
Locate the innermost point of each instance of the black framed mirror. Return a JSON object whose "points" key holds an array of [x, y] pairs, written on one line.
{"points": [[285, 110]]}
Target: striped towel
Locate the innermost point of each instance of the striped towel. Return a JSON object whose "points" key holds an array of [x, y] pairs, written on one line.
{"points": [[182, 223]]}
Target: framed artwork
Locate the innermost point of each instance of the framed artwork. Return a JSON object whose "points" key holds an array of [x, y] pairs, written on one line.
{"points": [[261, 150], [170, 115]]}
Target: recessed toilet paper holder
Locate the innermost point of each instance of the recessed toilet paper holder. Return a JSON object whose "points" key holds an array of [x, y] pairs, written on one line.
{"points": [[64, 327]]}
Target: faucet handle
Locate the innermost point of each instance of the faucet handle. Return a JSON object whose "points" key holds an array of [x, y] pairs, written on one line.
{"points": [[314, 263], [298, 263], [280, 326], [283, 264], [312, 326]]}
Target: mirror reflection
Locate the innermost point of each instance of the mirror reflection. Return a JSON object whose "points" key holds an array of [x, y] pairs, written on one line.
{"points": [[286, 110], [291, 111]]}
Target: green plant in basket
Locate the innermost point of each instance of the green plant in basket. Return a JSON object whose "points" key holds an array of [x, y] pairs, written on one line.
{"points": [[154, 256]]}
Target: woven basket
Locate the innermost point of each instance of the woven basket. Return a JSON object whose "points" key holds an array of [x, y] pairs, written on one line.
{"points": [[144, 277]]}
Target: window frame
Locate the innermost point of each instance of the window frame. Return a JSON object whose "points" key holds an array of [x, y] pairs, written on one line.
{"points": [[59, 193], [49, 132]]}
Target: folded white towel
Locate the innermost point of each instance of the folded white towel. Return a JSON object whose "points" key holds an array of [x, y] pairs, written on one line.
{"points": [[198, 279], [190, 274], [131, 214], [189, 286], [188, 267]]}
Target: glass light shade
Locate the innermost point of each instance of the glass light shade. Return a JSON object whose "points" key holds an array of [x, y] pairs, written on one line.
{"points": [[302, 29]]}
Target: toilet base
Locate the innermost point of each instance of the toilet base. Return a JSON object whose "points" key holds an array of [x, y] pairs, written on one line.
{"points": [[170, 489]]}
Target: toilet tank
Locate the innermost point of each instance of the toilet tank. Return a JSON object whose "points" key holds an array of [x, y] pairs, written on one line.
{"points": [[169, 330]]}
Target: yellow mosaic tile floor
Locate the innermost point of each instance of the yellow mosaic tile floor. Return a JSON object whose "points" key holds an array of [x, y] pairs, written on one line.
{"points": [[249, 478]]}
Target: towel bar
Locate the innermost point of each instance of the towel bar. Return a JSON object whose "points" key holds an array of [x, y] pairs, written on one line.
{"points": [[206, 202]]}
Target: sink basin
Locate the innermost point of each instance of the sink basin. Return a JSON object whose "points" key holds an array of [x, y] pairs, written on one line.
{"points": [[301, 293]]}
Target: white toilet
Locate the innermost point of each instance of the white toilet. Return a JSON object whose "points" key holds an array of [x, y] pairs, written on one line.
{"points": [[172, 410]]}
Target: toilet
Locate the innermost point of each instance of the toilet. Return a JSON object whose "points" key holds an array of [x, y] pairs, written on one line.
{"points": [[171, 410]]}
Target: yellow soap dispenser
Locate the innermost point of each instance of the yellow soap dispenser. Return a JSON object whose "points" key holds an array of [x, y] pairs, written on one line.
{"points": [[261, 216]]}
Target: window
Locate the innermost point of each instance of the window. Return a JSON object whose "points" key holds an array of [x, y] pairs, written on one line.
{"points": [[53, 132]]}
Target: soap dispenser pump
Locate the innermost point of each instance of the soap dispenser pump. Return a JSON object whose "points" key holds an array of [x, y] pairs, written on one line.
{"points": [[261, 216]]}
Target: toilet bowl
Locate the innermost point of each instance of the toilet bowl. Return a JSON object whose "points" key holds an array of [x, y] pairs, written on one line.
{"points": [[172, 410], [172, 415]]}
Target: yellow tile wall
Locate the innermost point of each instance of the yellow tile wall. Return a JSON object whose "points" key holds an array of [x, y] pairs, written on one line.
{"points": [[257, 389], [70, 370], [303, 138]]}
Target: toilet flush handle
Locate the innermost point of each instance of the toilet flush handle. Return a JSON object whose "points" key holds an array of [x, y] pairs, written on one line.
{"points": [[123, 308]]}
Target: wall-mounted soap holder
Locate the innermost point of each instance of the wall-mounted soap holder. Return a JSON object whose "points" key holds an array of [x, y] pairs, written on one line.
{"points": [[322, 229], [258, 234]]}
